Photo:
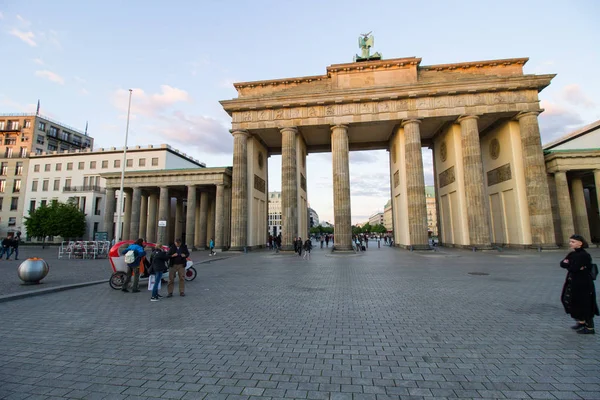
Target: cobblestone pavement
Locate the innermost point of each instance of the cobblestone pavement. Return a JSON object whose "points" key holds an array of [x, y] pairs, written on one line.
{"points": [[384, 324], [65, 271]]}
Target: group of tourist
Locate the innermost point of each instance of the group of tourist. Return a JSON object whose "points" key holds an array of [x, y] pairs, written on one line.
{"points": [[160, 261], [10, 246]]}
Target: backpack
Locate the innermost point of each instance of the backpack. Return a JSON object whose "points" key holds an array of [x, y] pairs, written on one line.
{"points": [[130, 257]]}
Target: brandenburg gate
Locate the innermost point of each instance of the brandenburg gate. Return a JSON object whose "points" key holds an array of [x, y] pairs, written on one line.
{"points": [[479, 118]]}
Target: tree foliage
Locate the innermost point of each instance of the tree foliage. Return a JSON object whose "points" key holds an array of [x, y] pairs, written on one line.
{"points": [[56, 219], [319, 230]]}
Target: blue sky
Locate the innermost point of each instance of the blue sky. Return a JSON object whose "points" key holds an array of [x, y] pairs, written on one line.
{"points": [[181, 58]]}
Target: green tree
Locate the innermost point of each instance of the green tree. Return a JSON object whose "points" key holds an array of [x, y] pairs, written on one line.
{"points": [[366, 228], [56, 219], [356, 230], [379, 229]]}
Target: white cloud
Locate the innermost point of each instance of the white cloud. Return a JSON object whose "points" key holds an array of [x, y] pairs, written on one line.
{"points": [[573, 94], [27, 37], [557, 120], [50, 76], [23, 21], [38, 61], [150, 105]]}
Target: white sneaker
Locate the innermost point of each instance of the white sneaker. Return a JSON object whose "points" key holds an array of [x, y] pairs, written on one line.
{"points": [[154, 299]]}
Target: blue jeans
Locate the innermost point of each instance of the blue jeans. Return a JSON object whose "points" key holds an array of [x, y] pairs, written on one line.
{"points": [[157, 277]]}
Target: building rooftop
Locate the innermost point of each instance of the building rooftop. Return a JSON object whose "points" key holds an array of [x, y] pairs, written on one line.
{"points": [[34, 115], [575, 134]]}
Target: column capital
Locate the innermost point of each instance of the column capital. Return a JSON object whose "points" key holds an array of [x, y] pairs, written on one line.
{"points": [[466, 117], [239, 132], [527, 114], [339, 126], [292, 129], [219, 184], [410, 121]]}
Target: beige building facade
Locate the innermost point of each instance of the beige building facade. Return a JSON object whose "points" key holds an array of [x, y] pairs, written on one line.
{"points": [[573, 166], [22, 135], [479, 118]]}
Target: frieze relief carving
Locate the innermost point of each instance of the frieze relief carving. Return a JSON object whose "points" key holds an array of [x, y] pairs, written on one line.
{"points": [[499, 175], [447, 177], [402, 105], [313, 112], [348, 109], [384, 106], [264, 115], [441, 102], [279, 113], [423, 102], [366, 108], [330, 111], [296, 112]]}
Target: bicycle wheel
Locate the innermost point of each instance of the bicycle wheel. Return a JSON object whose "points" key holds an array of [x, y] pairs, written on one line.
{"points": [[190, 274], [116, 280]]}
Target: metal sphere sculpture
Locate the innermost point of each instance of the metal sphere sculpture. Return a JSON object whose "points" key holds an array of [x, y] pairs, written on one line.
{"points": [[33, 270]]}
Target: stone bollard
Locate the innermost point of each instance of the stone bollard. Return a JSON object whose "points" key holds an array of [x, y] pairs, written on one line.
{"points": [[33, 270]]}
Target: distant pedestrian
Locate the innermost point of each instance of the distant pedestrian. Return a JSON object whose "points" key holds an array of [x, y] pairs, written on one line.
{"points": [[158, 266], [298, 246], [134, 267], [179, 254], [211, 246], [579, 293], [327, 240], [307, 248], [14, 246]]}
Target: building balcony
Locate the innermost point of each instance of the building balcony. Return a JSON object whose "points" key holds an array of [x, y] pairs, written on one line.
{"points": [[87, 188]]}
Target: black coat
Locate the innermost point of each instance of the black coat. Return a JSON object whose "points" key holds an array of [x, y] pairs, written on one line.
{"points": [[182, 254], [579, 293], [158, 260]]}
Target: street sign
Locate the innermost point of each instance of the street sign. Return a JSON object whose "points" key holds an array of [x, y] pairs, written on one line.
{"points": [[162, 223]]}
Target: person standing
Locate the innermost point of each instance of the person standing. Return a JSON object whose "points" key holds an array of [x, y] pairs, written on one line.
{"points": [[307, 249], [327, 240], [7, 246], [178, 254], [158, 266], [15, 245], [579, 293], [134, 267]]}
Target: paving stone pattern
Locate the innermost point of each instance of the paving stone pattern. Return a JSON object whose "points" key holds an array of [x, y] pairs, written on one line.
{"points": [[385, 324]]}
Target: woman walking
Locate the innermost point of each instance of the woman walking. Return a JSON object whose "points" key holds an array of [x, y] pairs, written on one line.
{"points": [[579, 294], [158, 266]]}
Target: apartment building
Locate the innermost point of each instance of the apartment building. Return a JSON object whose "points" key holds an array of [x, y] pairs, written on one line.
{"points": [[22, 135], [75, 176], [274, 213], [376, 219]]}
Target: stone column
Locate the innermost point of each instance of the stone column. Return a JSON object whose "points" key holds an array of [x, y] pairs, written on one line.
{"points": [[239, 206], [210, 220], [143, 217], [190, 218], [125, 233], [197, 218], [564, 206], [536, 184], [136, 206], [289, 188], [109, 213], [152, 215], [582, 225], [203, 223], [415, 185], [163, 214], [477, 215], [227, 230], [219, 216], [341, 188], [178, 219]]}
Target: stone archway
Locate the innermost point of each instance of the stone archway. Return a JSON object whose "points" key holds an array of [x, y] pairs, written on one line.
{"points": [[401, 106]]}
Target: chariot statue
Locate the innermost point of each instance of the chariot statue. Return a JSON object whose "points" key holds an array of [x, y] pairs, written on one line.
{"points": [[365, 42]]}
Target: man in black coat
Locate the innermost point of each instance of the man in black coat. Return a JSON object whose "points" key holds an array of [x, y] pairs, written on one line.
{"points": [[178, 254]]}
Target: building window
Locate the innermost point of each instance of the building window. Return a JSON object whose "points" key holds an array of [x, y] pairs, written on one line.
{"points": [[53, 131], [58, 167], [80, 165], [52, 147], [10, 140], [17, 186], [4, 168], [57, 184], [47, 168], [68, 182], [130, 162], [142, 162], [1, 201], [14, 203], [69, 166], [12, 221], [27, 123], [2, 185], [23, 152], [45, 185], [40, 139], [105, 164], [19, 168], [117, 163], [43, 203], [97, 209], [38, 151], [154, 161], [36, 168], [92, 164], [42, 126], [31, 206], [8, 152], [34, 186], [1, 125], [13, 125]]}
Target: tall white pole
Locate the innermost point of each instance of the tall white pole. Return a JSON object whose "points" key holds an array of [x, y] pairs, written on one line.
{"points": [[119, 211]]}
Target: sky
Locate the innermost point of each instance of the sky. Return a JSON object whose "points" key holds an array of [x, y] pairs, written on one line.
{"points": [[180, 58]]}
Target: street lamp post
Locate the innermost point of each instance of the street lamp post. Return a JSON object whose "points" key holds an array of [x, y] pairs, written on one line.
{"points": [[118, 228]]}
